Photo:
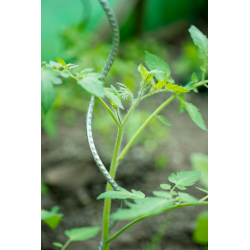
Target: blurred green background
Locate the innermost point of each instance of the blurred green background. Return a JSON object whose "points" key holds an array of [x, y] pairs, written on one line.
{"points": [[78, 32]]}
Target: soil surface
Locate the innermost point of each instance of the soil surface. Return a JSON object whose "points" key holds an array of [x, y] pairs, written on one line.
{"points": [[75, 182]]}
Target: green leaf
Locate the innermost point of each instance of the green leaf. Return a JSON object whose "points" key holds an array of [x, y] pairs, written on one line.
{"points": [[160, 84], [153, 86], [171, 80], [165, 186], [82, 233], [163, 120], [65, 74], [199, 161], [86, 71], [178, 198], [199, 52], [175, 88], [148, 206], [181, 187], [147, 76], [57, 244], [124, 92], [92, 84], [51, 218], [195, 90], [153, 62], [200, 41], [114, 99], [55, 65], [189, 85], [200, 235], [71, 65], [194, 78], [123, 194], [185, 178], [162, 194], [203, 190], [187, 198], [62, 62], [195, 115], [143, 71], [55, 209], [48, 91], [173, 192]]}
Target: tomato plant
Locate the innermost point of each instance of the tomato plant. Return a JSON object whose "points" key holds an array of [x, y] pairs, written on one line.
{"points": [[155, 78]]}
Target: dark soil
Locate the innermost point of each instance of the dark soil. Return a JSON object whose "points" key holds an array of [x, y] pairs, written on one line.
{"points": [[75, 182]]}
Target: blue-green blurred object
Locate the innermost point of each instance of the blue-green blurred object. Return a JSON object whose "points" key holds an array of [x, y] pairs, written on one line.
{"points": [[134, 17], [200, 235], [59, 14]]}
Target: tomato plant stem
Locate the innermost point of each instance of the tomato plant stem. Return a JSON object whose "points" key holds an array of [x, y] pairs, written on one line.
{"points": [[107, 203], [124, 151]]}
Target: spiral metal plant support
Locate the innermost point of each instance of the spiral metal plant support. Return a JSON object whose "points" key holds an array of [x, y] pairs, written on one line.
{"points": [[113, 53], [111, 58]]}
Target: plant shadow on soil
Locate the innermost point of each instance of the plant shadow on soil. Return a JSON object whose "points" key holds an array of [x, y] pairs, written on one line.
{"points": [[74, 182]]}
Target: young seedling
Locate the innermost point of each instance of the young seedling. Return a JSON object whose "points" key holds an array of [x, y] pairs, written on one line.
{"points": [[155, 78]]}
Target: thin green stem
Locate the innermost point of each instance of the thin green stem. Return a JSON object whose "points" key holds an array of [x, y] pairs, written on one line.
{"points": [[71, 75], [172, 189], [201, 83], [145, 217], [66, 244], [107, 204], [160, 233], [118, 115], [153, 93], [131, 109], [139, 97], [109, 110], [163, 105], [129, 113], [204, 198]]}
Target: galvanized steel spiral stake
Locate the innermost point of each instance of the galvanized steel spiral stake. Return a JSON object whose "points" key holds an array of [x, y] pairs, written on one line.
{"points": [[112, 55]]}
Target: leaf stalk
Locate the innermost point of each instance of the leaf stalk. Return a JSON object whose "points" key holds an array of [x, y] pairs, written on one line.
{"points": [[110, 111], [147, 216], [66, 244], [163, 105]]}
